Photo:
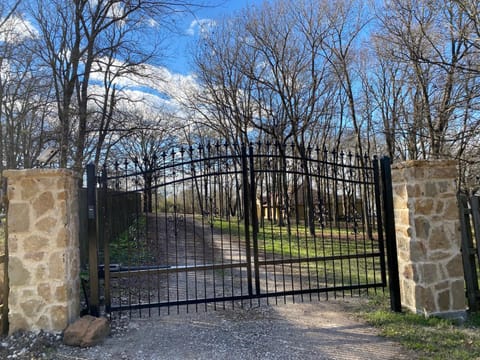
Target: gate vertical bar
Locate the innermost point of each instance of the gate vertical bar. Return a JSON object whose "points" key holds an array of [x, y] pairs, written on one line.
{"points": [[92, 240], [253, 205], [246, 216], [379, 212], [475, 203], [391, 241], [106, 239]]}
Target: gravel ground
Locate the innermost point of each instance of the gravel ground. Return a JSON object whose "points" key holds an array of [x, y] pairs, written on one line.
{"points": [[323, 330]]}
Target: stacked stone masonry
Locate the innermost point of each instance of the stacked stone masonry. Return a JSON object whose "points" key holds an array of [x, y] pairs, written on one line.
{"points": [[43, 249], [428, 237]]}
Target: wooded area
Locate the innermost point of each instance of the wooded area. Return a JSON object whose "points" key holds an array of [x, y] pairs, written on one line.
{"points": [[397, 77]]}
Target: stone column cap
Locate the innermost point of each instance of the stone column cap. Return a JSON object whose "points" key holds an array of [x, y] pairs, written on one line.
{"points": [[14, 174], [424, 163]]}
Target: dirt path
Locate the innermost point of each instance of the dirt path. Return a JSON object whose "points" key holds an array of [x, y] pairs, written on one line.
{"points": [[185, 250], [193, 262]]}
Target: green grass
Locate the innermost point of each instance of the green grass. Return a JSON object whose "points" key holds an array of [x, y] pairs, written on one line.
{"points": [[130, 246], [299, 242], [276, 242], [430, 338]]}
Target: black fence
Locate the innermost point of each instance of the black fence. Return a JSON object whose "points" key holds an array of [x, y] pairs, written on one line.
{"points": [[123, 214], [469, 208], [236, 225]]}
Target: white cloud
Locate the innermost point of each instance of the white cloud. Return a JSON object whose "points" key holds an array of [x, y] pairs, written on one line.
{"points": [[155, 88], [16, 29], [153, 23], [202, 26]]}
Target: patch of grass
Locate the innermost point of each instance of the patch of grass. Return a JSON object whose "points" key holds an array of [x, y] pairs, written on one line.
{"points": [[344, 257], [130, 246], [473, 320], [298, 242], [431, 338]]}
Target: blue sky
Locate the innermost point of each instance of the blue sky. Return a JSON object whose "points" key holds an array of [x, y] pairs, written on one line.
{"points": [[172, 80], [178, 62]]}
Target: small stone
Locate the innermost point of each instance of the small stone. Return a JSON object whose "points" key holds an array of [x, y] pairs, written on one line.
{"points": [[86, 331]]}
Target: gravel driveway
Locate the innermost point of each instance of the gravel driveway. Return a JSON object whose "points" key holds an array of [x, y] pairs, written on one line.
{"points": [[324, 330]]}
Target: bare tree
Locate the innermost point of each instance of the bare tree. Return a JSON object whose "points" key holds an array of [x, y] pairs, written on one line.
{"points": [[24, 97], [425, 36], [144, 147], [347, 23], [224, 101], [25, 110], [266, 73], [8, 9], [77, 34]]}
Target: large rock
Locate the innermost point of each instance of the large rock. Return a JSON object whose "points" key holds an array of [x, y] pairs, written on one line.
{"points": [[86, 331]]}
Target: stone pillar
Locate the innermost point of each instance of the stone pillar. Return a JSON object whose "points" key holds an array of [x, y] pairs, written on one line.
{"points": [[428, 237], [43, 246]]}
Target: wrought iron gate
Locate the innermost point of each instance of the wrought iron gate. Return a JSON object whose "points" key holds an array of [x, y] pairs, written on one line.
{"points": [[236, 224]]}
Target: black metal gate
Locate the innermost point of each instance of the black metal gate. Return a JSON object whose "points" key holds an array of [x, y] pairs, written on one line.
{"points": [[236, 224]]}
